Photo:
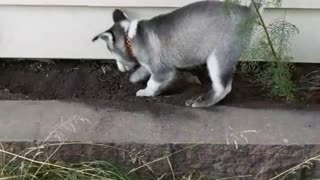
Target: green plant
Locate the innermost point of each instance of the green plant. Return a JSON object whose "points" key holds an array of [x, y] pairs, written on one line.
{"points": [[270, 45], [29, 169]]}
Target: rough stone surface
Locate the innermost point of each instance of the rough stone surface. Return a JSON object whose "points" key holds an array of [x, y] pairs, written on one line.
{"points": [[156, 124], [229, 141]]}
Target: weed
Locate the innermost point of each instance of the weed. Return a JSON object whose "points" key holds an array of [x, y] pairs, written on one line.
{"points": [[271, 45]]}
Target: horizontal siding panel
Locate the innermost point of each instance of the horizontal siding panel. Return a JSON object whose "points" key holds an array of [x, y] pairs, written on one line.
{"points": [[304, 4], [301, 4], [105, 3], [38, 28]]}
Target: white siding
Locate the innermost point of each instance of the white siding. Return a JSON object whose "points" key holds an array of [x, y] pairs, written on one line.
{"points": [[64, 28], [313, 4]]}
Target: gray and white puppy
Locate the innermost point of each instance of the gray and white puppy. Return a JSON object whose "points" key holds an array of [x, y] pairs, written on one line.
{"points": [[199, 33]]}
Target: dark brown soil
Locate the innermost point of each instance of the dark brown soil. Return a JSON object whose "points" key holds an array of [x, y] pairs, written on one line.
{"points": [[97, 80]]}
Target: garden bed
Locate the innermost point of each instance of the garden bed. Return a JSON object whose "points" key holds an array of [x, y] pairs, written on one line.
{"points": [[90, 80]]}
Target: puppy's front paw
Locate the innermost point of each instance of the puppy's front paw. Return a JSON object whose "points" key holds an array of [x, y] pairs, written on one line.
{"points": [[144, 93]]}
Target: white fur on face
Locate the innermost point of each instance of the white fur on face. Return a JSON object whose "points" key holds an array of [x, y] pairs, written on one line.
{"points": [[151, 90], [133, 29]]}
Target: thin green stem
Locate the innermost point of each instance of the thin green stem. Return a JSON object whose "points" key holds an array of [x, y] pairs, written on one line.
{"points": [[265, 29]]}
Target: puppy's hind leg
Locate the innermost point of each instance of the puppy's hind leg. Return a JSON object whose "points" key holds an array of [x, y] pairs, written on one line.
{"points": [[221, 77]]}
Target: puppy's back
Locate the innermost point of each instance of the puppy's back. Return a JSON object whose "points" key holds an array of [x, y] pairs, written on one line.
{"points": [[192, 32]]}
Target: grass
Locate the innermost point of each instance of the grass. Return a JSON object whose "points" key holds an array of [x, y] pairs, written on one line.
{"points": [[39, 162], [30, 169], [35, 163], [307, 164]]}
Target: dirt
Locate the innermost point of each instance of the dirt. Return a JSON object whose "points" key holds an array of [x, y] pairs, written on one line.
{"points": [[73, 80]]}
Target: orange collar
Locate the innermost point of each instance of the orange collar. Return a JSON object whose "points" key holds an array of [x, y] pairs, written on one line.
{"points": [[129, 46]]}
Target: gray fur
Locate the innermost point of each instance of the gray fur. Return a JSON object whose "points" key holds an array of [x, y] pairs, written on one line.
{"points": [[139, 75], [187, 37]]}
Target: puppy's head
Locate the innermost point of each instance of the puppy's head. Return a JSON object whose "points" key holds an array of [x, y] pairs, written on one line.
{"points": [[115, 40]]}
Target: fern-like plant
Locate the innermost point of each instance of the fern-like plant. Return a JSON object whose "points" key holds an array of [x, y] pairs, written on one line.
{"points": [[270, 45]]}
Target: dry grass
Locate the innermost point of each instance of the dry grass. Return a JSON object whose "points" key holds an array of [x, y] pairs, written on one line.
{"points": [[311, 81], [309, 163], [38, 163]]}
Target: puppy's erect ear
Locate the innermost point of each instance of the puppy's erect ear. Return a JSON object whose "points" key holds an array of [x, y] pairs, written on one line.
{"points": [[119, 16], [96, 38], [107, 36]]}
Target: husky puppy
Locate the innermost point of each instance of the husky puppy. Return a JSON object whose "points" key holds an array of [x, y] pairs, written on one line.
{"points": [[199, 33]]}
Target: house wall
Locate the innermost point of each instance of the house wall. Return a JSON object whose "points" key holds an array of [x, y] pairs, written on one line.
{"points": [[64, 28]]}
